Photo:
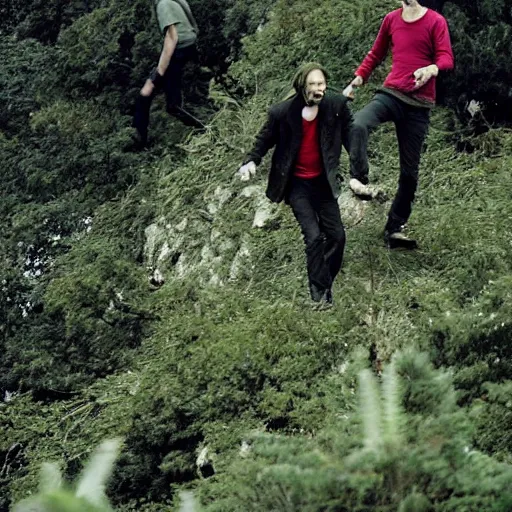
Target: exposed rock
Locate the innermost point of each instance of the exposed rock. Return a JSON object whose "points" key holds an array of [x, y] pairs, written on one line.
{"points": [[155, 235], [165, 251], [211, 263], [252, 191], [157, 279], [163, 247], [175, 246], [221, 243], [182, 267], [215, 280], [204, 463], [215, 234], [240, 261], [352, 209], [245, 449], [264, 212], [220, 196], [9, 396], [264, 208], [182, 225]]}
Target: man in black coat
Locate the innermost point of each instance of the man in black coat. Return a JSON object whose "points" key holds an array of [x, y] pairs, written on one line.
{"points": [[307, 131]]}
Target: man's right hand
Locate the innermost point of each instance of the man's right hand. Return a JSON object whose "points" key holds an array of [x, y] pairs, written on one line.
{"points": [[148, 88], [246, 171], [349, 90], [153, 83]]}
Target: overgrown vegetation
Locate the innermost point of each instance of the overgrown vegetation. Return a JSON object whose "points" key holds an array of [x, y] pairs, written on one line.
{"points": [[223, 379]]}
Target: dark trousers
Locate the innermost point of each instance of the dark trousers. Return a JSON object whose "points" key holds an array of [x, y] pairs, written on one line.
{"points": [[411, 129], [171, 86], [318, 214]]}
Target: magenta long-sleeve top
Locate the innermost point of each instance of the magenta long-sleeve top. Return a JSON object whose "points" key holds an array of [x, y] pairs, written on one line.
{"points": [[413, 45]]}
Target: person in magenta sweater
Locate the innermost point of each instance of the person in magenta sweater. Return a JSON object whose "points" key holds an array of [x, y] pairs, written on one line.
{"points": [[308, 130], [420, 47]]}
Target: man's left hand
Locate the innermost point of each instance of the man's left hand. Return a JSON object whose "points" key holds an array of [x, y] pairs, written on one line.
{"points": [[423, 75]]}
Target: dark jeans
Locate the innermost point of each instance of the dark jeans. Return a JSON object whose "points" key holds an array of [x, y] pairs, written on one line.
{"points": [[411, 129], [318, 214], [171, 86]]}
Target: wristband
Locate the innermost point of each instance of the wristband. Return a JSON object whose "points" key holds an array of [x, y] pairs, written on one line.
{"points": [[156, 78]]}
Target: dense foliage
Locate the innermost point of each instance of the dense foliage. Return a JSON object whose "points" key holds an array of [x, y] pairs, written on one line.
{"points": [[224, 378]]}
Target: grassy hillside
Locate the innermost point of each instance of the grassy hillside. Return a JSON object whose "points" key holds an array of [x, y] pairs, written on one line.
{"points": [[227, 359]]}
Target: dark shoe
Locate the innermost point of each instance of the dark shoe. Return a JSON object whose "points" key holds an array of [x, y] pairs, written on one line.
{"points": [[317, 294], [136, 142], [399, 240], [326, 302], [322, 298]]}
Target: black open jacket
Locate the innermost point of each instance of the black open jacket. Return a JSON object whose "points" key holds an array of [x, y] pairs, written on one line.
{"points": [[283, 130]]}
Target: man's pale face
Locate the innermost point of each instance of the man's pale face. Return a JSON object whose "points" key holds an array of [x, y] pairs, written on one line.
{"points": [[315, 87]]}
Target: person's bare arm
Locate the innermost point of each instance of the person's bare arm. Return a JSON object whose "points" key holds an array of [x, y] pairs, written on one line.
{"points": [[170, 42]]}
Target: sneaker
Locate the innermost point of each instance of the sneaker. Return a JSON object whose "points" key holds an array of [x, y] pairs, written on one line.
{"points": [[399, 240], [367, 192], [359, 189]]}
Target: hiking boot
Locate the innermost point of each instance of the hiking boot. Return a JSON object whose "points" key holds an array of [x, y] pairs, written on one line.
{"points": [[399, 240]]}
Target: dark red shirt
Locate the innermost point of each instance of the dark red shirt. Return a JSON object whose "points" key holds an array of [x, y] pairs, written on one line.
{"points": [[309, 160], [413, 45]]}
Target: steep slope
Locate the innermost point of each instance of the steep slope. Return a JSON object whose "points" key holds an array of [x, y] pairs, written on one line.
{"points": [[228, 348]]}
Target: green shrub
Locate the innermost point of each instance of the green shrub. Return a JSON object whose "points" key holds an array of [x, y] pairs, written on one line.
{"points": [[418, 459]]}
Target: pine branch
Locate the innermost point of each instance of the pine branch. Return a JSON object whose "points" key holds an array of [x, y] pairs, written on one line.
{"points": [[370, 410], [95, 475], [50, 478], [391, 405]]}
